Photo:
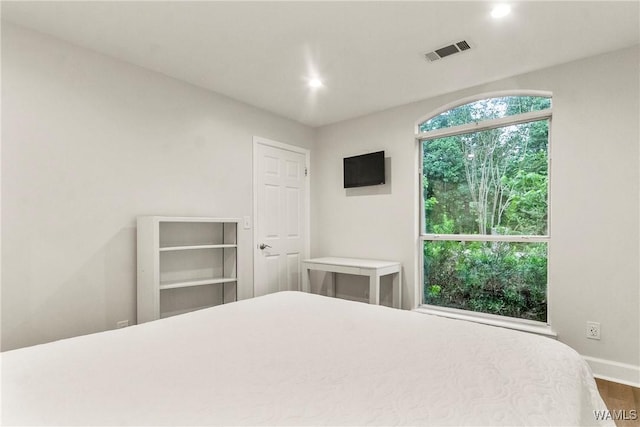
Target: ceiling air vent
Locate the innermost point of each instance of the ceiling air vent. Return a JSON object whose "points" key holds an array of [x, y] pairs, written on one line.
{"points": [[445, 51]]}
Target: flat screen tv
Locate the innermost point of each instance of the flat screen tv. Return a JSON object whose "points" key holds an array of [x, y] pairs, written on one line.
{"points": [[363, 170]]}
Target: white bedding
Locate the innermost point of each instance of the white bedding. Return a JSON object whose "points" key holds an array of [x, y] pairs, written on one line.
{"points": [[299, 359]]}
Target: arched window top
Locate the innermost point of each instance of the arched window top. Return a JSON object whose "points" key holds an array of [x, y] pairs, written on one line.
{"points": [[486, 109]]}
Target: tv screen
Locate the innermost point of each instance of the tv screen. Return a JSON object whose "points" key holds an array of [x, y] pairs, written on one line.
{"points": [[366, 169]]}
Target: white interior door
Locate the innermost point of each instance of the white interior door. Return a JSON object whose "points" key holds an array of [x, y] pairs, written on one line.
{"points": [[281, 213]]}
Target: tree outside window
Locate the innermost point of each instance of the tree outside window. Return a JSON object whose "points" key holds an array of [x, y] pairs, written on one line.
{"points": [[485, 206]]}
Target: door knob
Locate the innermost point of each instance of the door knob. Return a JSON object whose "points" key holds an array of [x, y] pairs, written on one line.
{"points": [[263, 246]]}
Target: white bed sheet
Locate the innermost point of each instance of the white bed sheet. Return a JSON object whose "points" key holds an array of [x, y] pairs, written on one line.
{"points": [[299, 359]]}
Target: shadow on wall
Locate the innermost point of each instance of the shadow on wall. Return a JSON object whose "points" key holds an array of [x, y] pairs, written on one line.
{"points": [[99, 291], [373, 190], [120, 277]]}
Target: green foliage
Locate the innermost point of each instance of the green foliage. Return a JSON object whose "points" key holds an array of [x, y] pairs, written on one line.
{"points": [[488, 182], [527, 210], [508, 279], [434, 291], [443, 160], [493, 181]]}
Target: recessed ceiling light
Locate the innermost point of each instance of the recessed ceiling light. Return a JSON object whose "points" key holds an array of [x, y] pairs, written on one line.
{"points": [[315, 83], [500, 10]]}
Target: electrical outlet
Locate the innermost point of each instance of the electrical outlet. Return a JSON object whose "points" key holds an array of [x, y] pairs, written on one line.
{"points": [[593, 330], [122, 324]]}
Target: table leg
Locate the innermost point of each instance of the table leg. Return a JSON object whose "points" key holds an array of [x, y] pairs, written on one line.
{"points": [[374, 289], [306, 281], [396, 289], [331, 291]]}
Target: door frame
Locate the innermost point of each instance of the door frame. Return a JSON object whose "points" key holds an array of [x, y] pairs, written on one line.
{"points": [[257, 140]]}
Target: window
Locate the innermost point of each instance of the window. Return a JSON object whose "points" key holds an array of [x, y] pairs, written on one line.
{"points": [[485, 186]]}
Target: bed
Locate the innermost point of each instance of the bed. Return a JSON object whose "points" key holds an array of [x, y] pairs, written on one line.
{"points": [[293, 358]]}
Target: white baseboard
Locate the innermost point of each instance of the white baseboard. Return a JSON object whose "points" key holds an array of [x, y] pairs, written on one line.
{"points": [[609, 370]]}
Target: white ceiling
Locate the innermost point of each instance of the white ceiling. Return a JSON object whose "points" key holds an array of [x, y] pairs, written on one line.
{"points": [[369, 54]]}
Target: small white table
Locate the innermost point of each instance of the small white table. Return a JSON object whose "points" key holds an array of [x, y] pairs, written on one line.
{"points": [[362, 267]]}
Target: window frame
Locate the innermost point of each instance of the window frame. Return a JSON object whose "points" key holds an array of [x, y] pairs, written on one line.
{"points": [[542, 328]]}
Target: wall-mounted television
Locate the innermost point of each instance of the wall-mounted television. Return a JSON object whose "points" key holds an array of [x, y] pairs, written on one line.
{"points": [[363, 170]]}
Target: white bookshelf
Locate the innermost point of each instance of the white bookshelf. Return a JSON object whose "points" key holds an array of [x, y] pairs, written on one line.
{"points": [[185, 264]]}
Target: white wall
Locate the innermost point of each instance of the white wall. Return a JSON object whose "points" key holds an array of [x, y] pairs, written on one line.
{"points": [[89, 143], [594, 249]]}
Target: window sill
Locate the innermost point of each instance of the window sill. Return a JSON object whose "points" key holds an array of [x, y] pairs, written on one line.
{"points": [[529, 326]]}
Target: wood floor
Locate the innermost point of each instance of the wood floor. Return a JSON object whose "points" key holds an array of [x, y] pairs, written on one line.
{"points": [[619, 397]]}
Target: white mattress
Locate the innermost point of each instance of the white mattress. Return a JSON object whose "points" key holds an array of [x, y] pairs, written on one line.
{"points": [[299, 359]]}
